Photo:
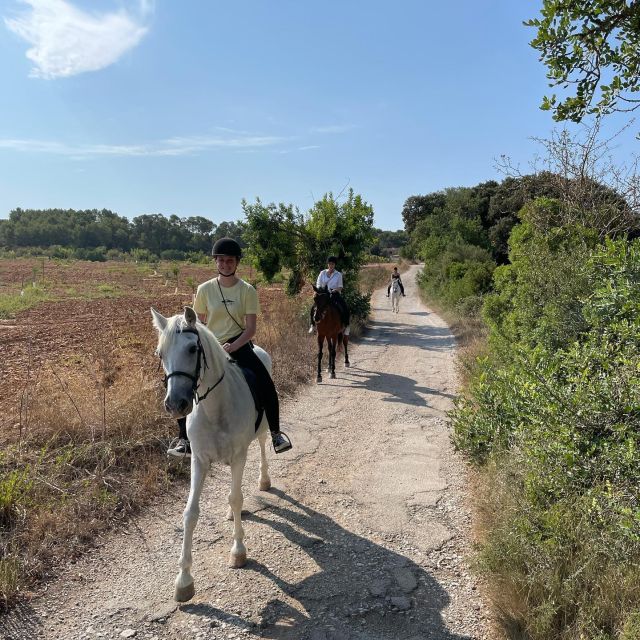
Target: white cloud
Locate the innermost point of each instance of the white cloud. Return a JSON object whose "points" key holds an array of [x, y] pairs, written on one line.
{"points": [[178, 146], [67, 41]]}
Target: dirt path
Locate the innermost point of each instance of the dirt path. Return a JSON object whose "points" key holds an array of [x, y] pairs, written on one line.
{"points": [[364, 535]]}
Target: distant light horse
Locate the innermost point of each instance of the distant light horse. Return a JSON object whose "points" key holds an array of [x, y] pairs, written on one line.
{"points": [[395, 296], [220, 426], [329, 326]]}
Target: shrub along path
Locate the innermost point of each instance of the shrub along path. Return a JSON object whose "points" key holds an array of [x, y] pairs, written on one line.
{"points": [[364, 535]]}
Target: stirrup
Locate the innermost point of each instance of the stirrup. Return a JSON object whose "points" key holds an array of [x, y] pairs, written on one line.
{"points": [[283, 445]]}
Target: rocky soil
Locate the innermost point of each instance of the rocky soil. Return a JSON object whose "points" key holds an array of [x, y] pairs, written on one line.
{"points": [[365, 534]]}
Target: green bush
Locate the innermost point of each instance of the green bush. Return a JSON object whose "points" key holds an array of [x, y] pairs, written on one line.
{"points": [[558, 413]]}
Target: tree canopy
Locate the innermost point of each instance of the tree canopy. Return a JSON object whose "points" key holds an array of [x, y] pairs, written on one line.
{"points": [[592, 46], [94, 228], [280, 236]]}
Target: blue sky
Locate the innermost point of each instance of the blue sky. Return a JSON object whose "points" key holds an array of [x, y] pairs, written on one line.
{"points": [[185, 108]]}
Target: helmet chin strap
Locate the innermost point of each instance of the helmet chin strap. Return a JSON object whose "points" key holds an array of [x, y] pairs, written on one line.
{"points": [[227, 275]]}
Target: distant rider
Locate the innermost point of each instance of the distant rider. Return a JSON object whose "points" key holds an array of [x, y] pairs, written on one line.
{"points": [[332, 280], [395, 276]]}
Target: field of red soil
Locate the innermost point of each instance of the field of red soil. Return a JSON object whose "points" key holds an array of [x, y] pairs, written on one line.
{"points": [[91, 306]]}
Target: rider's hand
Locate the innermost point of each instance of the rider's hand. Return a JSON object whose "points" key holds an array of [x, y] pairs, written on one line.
{"points": [[229, 347]]}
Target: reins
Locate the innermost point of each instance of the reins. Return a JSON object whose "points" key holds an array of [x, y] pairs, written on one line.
{"points": [[194, 378]]}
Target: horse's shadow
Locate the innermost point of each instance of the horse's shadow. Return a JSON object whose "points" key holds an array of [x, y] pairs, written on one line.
{"points": [[399, 388], [360, 589]]}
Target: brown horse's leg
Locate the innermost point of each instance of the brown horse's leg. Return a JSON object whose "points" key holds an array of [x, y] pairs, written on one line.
{"points": [[332, 357], [345, 341], [320, 341]]}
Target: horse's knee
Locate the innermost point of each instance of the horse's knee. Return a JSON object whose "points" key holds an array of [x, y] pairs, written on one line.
{"points": [[190, 516]]}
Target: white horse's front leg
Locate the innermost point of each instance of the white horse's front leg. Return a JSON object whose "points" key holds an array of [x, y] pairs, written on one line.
{"points": [[238, 555], [184, 587], [265, 481]]}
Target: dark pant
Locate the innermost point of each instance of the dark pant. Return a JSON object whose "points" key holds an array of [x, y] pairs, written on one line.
{"points": [[267, 393], [340, 304], [401, 288]]}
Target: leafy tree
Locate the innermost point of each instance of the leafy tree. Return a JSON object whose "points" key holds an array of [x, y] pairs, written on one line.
{"points": [[594, 46], [279, 236], [417, 207]]}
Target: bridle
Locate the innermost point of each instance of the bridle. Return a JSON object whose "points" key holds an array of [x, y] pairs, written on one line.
{"points": [[202, 358], [325, 308]]}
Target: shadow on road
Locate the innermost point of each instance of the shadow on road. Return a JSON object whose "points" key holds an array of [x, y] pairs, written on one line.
{"points": [[402, 334], [399, 388], [360, 589]]}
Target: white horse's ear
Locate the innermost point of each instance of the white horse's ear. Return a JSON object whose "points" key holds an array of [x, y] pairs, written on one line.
{"points": [[159, 321], [190, 316]]}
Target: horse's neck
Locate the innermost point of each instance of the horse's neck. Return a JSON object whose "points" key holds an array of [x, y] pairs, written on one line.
{"points": [[216, 359]]}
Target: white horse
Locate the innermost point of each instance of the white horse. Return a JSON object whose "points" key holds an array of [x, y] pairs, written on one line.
{"points": [[395, 296], [220, 426]]}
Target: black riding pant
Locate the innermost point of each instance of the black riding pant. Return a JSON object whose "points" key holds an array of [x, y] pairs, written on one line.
{"points": [[246, 357]]}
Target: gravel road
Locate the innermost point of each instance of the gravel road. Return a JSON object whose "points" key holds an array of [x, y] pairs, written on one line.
{"points": [[365, 534]]}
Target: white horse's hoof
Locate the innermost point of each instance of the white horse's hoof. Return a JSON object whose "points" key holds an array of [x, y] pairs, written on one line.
{"points": [[237, 560], [264, 485], [184, 594]]}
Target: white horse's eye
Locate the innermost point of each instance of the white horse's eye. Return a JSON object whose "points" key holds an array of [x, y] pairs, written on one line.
{"points": [[193, 348]]}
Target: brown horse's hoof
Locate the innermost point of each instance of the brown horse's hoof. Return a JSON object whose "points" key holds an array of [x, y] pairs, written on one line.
{"points": [[347, 364], [184, 594], [319, 379], [333, 375]]}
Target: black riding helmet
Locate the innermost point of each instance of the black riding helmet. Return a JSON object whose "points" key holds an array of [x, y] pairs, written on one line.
{"points": [[226, 247]]}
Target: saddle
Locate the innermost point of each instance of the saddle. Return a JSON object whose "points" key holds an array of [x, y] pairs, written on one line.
{"points": [[252, 383]]}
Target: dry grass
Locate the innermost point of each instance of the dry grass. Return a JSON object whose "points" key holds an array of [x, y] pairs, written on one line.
{"points": [[83, 460], [85, 446], [89, 446]]}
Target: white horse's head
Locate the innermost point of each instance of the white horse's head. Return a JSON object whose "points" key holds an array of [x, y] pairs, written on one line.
{"points": [[181, 354], [395, 286]]}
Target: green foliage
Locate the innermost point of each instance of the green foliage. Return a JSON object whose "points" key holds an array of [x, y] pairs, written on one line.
{"points": [[14, 490], [275, 235], [556, 408], [537, 298], [594, 46], [101, 234], [12, 303], [280, 237]]}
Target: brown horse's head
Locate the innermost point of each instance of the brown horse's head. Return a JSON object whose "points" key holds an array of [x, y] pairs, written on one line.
{"points": [[322, 300]]}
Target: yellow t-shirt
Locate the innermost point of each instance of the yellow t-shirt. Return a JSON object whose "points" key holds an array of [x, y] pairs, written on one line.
{"points": [[241, 299]]}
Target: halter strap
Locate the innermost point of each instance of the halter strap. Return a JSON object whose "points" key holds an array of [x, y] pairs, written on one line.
{"points": [[194, 378]]}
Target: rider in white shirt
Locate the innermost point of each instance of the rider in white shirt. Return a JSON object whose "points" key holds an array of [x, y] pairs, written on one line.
{"points": [[332, 280]]}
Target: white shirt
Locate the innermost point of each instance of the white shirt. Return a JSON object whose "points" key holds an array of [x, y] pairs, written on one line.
{"points": [[333, 281]]}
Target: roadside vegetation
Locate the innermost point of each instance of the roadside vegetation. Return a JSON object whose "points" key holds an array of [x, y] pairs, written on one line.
{"points": [[550, 411]]}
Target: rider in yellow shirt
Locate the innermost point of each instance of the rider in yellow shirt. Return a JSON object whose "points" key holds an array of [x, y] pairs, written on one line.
{"points": [[229, 307]]}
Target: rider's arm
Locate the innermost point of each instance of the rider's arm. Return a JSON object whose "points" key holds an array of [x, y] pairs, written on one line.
{"points": [[319, 280], [338, 286], [250, 321]]}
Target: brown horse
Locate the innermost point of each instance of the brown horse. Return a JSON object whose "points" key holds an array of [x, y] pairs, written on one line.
{"points": [[329, 326]]}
